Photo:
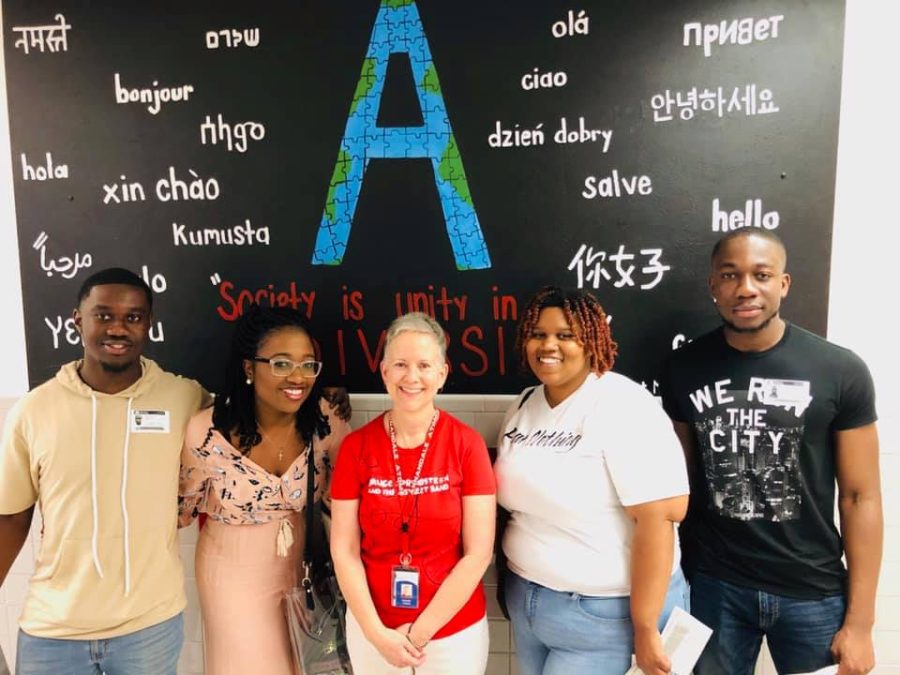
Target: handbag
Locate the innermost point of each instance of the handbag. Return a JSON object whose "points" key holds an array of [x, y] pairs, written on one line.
{"points": [[316, 609]]}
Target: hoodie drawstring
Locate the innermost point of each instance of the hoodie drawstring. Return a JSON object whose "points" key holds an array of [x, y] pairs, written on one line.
{"points": [[124, 502], [96, 511]]}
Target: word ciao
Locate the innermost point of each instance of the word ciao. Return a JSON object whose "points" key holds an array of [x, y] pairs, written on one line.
{"points": [[169, 188], [572, 25], [68, 331], [538, 80], [234, 136], [154, 95], [52, 35], [517, 137], [239, 235], [589, 266], [41, 173], [741, 99], [751, 216], [233, 304], [65, 266], [736, 32], [249, 36]]}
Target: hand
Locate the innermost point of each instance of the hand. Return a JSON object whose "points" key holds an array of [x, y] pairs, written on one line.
{"points": [[394, 648], [649, 654], [339, 399], [853, 650], [419, 640]]}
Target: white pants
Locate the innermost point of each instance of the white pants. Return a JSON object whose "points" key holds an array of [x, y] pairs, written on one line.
{"points": [[463, 653]]}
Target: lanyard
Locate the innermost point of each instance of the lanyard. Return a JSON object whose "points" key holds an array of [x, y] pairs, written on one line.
{"points": [[405, 557]]}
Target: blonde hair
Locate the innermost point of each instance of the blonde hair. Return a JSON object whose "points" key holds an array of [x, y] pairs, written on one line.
{"points": [[417, 322]]}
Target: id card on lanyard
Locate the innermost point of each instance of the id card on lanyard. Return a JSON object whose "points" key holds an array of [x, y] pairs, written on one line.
{"points": [[405, 577]]}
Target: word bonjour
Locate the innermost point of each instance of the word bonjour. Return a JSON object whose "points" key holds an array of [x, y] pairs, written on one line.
{"points": [[41, 173], [517, 137], [154, 95], [168, 188], [239, 235]]}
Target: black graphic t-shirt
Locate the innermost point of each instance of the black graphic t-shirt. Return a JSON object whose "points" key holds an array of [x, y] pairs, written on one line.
{"points": [[763, 478]]}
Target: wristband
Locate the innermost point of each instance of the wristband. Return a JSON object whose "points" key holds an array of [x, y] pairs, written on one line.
{"points": [[410, 640]]}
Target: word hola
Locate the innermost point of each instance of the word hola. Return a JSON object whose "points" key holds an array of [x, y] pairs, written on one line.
{"points": [[249, 36], [615, 185], [154, 95], [233, 136], [171, 188], [582, 134], [736, 32], [239, 235], [50, 172], [572, 25], [751, 216], [538, 80]]}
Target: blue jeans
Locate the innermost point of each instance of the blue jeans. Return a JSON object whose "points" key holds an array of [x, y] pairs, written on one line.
{"points": [[561, 633], [798, 632], [151, 651]]}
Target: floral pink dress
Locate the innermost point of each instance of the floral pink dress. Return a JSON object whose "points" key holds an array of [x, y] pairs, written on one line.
{"points": [[249, 549]]}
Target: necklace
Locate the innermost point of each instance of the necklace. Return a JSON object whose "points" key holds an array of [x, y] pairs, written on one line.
{"points": [[279, 444], [401, 491]]}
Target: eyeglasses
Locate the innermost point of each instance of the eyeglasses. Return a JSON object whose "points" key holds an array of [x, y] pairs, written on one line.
{"points": [[283, 367]]}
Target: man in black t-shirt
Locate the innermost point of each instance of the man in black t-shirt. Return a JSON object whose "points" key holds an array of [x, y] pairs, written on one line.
{"points": [[769, 416]]}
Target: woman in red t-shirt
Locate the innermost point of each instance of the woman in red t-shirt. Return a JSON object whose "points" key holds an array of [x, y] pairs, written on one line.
{"points": [[413, 511]]}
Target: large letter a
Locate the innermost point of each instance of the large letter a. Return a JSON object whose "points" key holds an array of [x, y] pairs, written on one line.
{"points": [[398, 28]]}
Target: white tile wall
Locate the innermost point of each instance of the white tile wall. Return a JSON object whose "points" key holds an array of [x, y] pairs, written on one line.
{"points": [[485, 413]]}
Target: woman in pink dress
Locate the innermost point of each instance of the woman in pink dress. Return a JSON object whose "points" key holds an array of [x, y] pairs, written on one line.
{"points": [[244, 464]]}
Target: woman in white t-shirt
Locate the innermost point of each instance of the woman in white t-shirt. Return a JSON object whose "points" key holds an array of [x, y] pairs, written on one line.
{"points": [[594, 479]]}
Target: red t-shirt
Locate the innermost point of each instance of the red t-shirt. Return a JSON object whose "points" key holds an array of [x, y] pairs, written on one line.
{"points": [[457, 465]]}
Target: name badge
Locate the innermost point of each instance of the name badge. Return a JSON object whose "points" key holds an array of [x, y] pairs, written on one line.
{"points": [[405, 587], [149, 421]]}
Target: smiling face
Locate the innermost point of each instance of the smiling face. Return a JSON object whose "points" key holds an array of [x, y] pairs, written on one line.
{"points": [[114, 323], [748, 283], [413, 370], [276, 395], [556, 355]]}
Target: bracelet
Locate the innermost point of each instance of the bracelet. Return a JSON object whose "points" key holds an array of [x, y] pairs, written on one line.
{"points": [[410, 640]]}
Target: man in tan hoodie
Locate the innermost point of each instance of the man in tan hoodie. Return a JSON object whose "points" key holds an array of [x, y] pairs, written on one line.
{"points": [[98, 448]]}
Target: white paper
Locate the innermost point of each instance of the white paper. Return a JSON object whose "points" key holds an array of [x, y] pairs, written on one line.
{"points": [[683, 638], [827, 670]]}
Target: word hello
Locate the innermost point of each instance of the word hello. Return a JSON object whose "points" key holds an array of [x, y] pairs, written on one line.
{"points": [[538, 80], [239, 235], [234, 136], [232, 38], [572, 25], [50, 172], [615, 185], [154, 95], [736, 32], [751, 216]]}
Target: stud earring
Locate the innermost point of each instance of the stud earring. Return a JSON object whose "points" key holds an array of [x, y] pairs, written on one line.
{"points": [[249, 381]]}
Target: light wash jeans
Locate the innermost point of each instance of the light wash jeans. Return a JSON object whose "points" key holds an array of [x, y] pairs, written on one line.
{"points": [[151, 651], [570, 634], [798, 632]]}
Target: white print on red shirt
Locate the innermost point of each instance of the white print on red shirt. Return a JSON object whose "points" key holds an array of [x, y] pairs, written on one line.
{"points": [[425, 484]]}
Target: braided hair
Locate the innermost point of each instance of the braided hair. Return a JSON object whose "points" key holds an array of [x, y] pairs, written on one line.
{"points": [[585, 317], [234, 410]]}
